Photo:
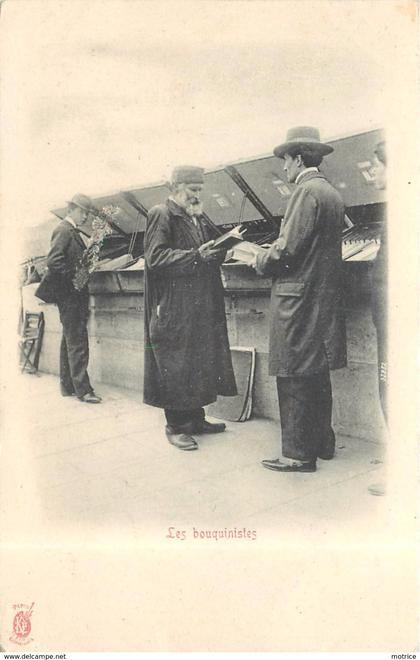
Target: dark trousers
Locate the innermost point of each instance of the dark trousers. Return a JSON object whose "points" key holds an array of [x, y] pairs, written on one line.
{"points": [[184, 421], [305, 404], [74, 350]]}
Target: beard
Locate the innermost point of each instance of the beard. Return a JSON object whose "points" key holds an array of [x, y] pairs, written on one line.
{"points": [[194, 208]]}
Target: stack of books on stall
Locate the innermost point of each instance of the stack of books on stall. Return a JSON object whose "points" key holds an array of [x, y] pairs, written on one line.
{"points": [[238, 408]]}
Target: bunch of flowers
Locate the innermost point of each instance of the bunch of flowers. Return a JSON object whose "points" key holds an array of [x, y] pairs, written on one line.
{"points": [[90, 257]]}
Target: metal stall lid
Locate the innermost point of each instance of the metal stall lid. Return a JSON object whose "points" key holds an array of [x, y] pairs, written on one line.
{"points": [[349, 168], [148, 196], [126, 223], [265, 176], [223, 200], [126, 218]]}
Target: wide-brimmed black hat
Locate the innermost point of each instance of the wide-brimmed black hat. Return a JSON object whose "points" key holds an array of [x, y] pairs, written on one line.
{"points": [[307, 136]]}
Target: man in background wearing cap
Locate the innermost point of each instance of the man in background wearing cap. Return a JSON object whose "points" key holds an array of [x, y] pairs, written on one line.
{"points": [[66, 249], [307, 332], [187, 355]]}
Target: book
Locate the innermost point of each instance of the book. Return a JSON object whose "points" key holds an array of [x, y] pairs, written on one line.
{"points": [[230, 239], [246, 252]]}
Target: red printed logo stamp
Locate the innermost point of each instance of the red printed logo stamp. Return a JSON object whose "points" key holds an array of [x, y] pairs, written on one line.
{"points": [[22, 624]]}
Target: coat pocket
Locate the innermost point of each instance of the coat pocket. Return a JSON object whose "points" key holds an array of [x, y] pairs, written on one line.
{"points": [[293, 289]]}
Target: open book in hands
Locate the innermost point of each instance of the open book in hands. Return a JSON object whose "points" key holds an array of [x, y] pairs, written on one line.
{"points": [[229, 239]]}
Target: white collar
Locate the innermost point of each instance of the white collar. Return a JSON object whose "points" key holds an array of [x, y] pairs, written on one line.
{"points": [[308, 169], [71, 221]]}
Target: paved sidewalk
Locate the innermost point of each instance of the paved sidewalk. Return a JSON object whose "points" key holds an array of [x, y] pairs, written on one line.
{"points": [[96, 467]]}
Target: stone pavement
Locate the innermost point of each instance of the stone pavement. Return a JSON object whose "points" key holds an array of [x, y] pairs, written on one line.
{"points": [[91, 468], [90, 492]]}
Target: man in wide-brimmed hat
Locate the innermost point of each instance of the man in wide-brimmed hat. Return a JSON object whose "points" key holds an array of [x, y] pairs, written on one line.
{"points": [[187, 356], [307, 331], [67, 247]]}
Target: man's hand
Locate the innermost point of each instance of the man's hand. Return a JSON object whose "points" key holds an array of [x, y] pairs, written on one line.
{"points": [[207, 254]]}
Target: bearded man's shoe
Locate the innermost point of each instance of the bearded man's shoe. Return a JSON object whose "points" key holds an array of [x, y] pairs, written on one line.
{"points": [[208, 427], [326, 457], [181, 440], [327, 449]]}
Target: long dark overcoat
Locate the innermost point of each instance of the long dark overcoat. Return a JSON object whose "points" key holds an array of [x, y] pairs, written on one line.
{"points": [[187, 356], [307, 325]]}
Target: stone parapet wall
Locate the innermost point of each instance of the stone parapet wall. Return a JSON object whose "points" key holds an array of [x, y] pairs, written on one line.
{"points": [[116, 343]]}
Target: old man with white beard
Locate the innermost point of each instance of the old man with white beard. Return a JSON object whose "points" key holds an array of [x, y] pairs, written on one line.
{"points": [[187, 355]]}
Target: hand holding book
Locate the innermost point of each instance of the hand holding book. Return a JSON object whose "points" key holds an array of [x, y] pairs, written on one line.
{"points": [[246, 253], [230, 239], [216, 249], [209, 253]]}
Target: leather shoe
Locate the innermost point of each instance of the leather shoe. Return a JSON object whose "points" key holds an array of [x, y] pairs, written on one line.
{"points": [[294, 466], [64, 393], [90, 397], [326, 457], [181, 440], [208, 427]]}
